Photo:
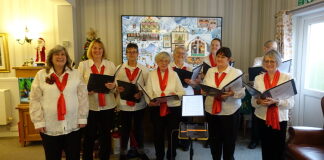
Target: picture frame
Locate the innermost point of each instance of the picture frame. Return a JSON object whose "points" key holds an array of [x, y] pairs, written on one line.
{"points": [[166, 41], [175, 45], [179, 37], [4, 53]]}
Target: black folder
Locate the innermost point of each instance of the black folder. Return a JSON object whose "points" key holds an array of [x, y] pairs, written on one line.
{"points": [[283, 91], [129, 92], [211, 91], [205, 67], [193, 131], [97, 82], [183, 74], [254, 71], [168, 98]]}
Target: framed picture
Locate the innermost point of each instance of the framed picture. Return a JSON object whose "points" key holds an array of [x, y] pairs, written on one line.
{"points": [[179, 37], [166, 41], [176, 45], [4, 53]]}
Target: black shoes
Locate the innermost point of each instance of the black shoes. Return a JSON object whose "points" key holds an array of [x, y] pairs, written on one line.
{"points": [[253, 145]]}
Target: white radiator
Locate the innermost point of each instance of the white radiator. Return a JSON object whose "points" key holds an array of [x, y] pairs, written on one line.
{"points": [[5, 107]]}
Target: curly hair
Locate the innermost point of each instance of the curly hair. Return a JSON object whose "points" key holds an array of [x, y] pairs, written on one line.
{"points": [[57, 49]]}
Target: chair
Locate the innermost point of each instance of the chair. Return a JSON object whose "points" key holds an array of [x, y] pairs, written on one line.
{"points": [[306, 142]]}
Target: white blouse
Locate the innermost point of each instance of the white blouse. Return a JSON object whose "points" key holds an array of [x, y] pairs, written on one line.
{"points": [[174, 85], [43, 103], [232, 104], [284, 105], [85, 70], [141, 79], [189, 90]]}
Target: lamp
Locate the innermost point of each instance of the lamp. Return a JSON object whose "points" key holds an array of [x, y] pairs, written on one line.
{"points": [[26, 39]]}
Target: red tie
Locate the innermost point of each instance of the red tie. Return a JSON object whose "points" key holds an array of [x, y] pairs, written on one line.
{"points": [[217, 104], [212, 61], [61, 106], [163, 84], [272, 118], [101, 96], [131, 77]]}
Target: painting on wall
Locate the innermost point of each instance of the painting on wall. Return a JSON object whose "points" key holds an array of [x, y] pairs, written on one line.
{"points": [[154, 34], [4, 53]]}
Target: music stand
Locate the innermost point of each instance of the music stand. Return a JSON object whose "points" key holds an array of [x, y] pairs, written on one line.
{"points": [[193, 106]]}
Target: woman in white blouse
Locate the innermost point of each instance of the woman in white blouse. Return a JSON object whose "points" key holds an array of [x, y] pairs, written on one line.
{"points": [[272, 114], [101, 105], [59, 105], [131, 111], [222, 112], [179, 56], [165, 115]]}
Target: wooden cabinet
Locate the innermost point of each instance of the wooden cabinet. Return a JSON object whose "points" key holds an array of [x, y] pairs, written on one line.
{"points": [[26, 127]]}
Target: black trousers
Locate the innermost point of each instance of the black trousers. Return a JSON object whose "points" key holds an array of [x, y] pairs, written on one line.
{"points": [[168, 124], [222, 135], [272, 141], [255, 137], [127, 119], [99, 125], [69, 143]]}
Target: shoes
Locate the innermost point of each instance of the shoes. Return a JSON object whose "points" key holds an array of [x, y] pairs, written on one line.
{"points": [[253, 145]]}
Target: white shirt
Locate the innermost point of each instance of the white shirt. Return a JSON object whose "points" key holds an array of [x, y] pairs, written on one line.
{"points": [[257, 61], [188, 90], [232, 104], [284, 105], [207, 60], [43, 103], [85, 70], [141, 79], [173, 85]]}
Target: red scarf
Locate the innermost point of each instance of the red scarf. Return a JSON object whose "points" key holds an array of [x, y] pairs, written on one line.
{"points": [[184, 68], [131, 77], [61, 106], [272, 118], [101, 96], [212, 61], [217, 104], [163, 84]]}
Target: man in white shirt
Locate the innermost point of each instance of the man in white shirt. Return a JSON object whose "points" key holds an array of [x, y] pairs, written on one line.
{"points": [[267, 46]]}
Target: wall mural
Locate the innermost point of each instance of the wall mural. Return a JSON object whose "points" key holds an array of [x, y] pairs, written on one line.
{"points": [[154, 34]]}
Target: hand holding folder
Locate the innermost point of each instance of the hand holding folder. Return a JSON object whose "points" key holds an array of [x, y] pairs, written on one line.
{"points": [[129, 91], [211, 91], [97, 83], [282, 91], [160, 99], [184, 74]]}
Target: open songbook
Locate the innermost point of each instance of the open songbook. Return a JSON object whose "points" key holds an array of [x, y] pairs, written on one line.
{"points": [[97, 82], [184, 74], [282, 91], [211, 91], [168, 98], [193, 131], [130, 90], [254, 71]]}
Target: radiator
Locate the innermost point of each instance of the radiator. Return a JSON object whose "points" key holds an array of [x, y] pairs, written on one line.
{"points": [[5, 107]]}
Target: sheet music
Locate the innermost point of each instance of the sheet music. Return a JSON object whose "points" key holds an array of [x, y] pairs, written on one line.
{"points": [[192, 105], [195, 72], [286, 90]]}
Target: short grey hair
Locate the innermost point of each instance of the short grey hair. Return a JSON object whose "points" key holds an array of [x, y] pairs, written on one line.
{"points": [[273, 54], [271, 44], [162, 55]]}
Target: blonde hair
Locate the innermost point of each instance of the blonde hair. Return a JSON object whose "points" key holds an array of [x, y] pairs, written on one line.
{"points": [[89, 51], [162, 55]]}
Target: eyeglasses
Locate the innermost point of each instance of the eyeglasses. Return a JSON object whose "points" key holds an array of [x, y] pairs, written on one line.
{"points": [[132, 52], [269, 61]]}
